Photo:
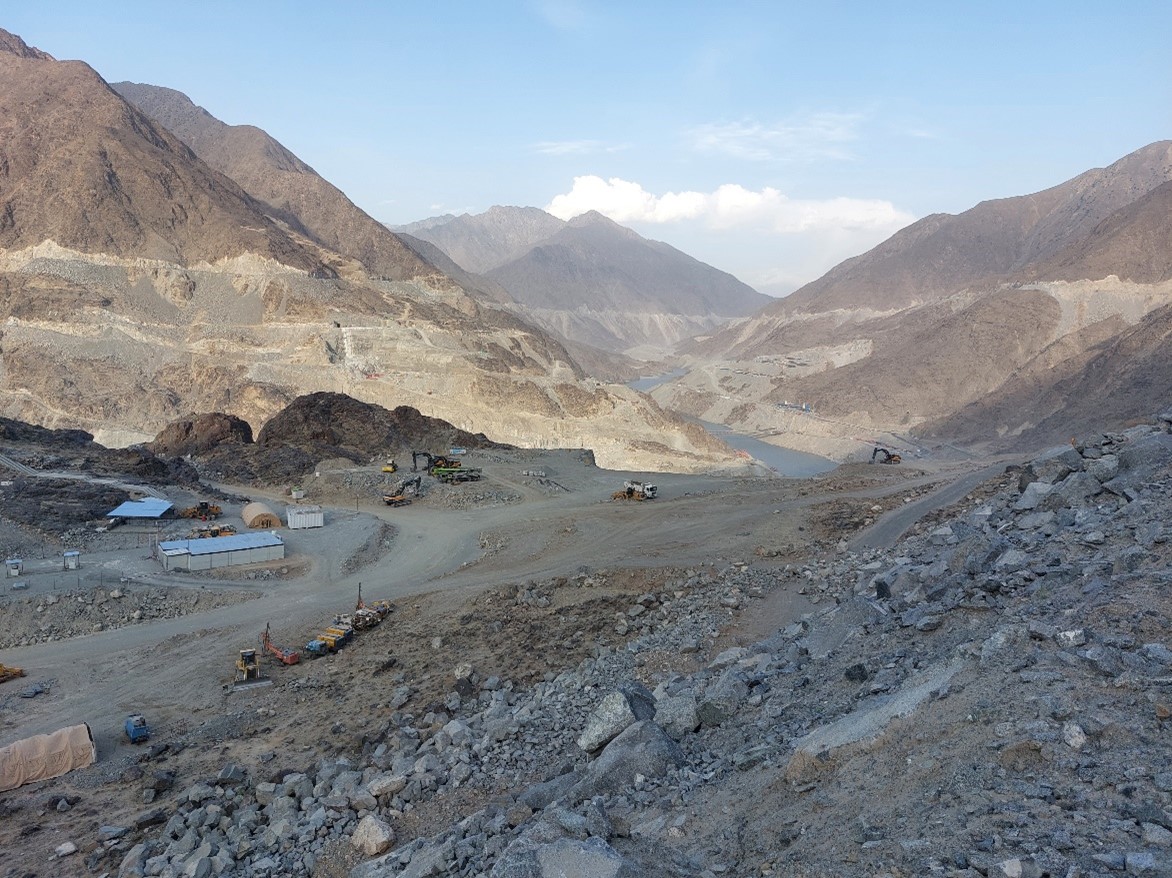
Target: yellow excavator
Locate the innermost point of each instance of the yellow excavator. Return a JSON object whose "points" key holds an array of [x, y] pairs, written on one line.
{"points": [[884, 455]]}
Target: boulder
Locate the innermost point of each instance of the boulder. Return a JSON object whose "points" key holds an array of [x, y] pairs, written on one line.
{"points": [[615, 712], [373, 836], [643, 748]]}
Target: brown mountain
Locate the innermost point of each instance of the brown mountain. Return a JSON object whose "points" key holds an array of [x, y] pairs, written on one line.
{"points": [[138, 284], [591, 281], [84, 169], [481, 242], [964, 327], [290, 190]]}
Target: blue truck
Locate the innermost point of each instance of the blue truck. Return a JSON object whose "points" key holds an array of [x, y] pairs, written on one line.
{"points": [[137, 729]]}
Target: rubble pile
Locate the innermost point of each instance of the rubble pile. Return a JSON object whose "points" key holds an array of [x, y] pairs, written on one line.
{"points": [[74, 612], [988, 698]]}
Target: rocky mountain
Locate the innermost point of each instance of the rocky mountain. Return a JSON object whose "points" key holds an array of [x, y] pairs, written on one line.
{"points": [[139, 283], [593, 281], [289, 189], [989, 311], [481, 242]]}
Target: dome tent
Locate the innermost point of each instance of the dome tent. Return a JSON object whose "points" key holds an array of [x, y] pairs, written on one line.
{"points": [[259, 515]]}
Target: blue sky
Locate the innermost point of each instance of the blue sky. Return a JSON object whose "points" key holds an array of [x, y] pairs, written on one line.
{"points": [[771, 140]]}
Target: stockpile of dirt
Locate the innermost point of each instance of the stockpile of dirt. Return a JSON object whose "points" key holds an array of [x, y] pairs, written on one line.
{"points": [[199, 434]]}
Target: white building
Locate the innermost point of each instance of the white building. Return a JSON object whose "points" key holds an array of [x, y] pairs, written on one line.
{"points": [[212, 552], [304, 516]]}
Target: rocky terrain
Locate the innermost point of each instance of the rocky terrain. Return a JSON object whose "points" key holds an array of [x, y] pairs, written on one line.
{"points": [[986, 697], [972, 329]]}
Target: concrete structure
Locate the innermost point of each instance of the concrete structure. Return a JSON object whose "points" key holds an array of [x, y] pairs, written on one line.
{"points": [[258, 515], [213, 552], [304, 516], [147, 509]]}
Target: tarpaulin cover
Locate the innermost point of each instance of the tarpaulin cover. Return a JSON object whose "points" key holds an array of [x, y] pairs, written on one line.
{"points": [[44, 756]]}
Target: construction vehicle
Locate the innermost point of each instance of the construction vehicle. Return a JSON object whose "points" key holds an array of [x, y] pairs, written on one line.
{"points": [[390, 466], [284, 656], [204, 511], [397, 496], [137, 729], [368, 615], [434, 461], [636, 491], [248, 672], [884, 455], [333, 638], [451, 475], [8, 672], [211, 530]]}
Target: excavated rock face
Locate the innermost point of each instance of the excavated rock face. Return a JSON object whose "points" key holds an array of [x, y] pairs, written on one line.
{"points": [[197, 434]]}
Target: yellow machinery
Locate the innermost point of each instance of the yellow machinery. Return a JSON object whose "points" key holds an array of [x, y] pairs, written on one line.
{"points": [[390, 466], [248, 671], [8, 672]]}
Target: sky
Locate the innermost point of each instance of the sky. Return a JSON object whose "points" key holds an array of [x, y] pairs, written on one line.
{"points": [[771, 140]]}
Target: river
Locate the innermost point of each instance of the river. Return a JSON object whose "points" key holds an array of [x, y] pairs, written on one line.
{"points": [[794, 464]]}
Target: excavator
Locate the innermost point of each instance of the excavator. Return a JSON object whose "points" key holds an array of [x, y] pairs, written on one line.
{"points": [[434, 461], [284, 656], [397, 496], [884, 455]]}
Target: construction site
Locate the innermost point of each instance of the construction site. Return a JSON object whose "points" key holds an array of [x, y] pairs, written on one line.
{"points": [[406, 594]]}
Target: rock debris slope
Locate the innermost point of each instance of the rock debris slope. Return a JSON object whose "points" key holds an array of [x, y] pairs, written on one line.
{"points": [[987, 698]]}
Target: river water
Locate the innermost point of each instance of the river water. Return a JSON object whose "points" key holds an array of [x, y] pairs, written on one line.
{"points": [[787, 462]]}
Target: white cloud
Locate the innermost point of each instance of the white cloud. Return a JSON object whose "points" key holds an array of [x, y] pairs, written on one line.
{"points": [[729, 206], [816, 136]]}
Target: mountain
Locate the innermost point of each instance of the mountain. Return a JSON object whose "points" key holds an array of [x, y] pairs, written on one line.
{"points": [[139, 284], [84, 169], [594, 282], [959, 326], [481, 242], [289, 189]]}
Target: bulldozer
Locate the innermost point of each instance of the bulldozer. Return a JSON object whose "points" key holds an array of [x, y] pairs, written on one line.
{"points": [[8, 672], [885, 456], [390, 466], [248, 673], [204, 511], [284, 656]]}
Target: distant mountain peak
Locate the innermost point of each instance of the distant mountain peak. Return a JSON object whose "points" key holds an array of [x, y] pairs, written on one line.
{"points": [[14, 45]]}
